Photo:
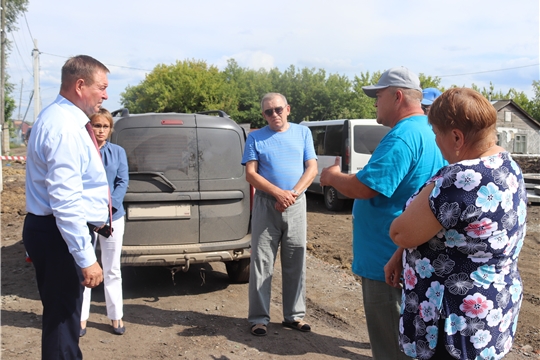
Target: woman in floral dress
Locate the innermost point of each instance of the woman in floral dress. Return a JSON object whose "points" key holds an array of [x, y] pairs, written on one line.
{"points": [[460, 237]]}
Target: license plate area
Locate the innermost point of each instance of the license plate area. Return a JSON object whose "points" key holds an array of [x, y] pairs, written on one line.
{"points": [[158, 211]]}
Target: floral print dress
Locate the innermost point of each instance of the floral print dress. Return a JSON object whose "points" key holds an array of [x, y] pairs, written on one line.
{"points": [[467, 275]]}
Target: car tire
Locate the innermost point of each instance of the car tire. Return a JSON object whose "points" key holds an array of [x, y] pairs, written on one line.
{"points": [[331, 200], [238, 271]]}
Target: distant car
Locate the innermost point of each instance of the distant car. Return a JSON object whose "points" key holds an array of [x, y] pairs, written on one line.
{"points": [[188, 200], [354, 140]]}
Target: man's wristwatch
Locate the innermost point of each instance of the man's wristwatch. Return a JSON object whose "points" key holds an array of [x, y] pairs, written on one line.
{"points": [[295, 192]]}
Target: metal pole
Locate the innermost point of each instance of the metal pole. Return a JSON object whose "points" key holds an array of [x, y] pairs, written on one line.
{"points": [[5, 130], [4, 134], [37, 97]]}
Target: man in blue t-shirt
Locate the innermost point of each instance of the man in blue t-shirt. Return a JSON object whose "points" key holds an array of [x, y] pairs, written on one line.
{"points": [[406, 157], [280, 164]]}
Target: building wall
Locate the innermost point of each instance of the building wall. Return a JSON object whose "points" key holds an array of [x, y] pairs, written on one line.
{"points": [[513, 127]]}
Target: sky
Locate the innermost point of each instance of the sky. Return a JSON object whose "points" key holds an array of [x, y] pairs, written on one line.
{"points": [[463, 42]]}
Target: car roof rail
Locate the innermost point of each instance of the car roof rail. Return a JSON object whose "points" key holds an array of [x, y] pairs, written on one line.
{"points": [[120, 112], [220, 113]]}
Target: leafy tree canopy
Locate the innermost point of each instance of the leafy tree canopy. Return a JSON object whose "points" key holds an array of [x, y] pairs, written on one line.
{"points": [[192, 86]]}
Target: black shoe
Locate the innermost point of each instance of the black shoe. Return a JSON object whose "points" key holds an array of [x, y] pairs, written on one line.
{"points": [[119, 330], [82, 332]]}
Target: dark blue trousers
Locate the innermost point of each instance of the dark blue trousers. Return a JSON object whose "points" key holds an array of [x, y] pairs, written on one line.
{"points": [[59, 283]]}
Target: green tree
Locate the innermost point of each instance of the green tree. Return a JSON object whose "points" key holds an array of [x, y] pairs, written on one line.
{"points": [[192, 86], [533, 107], [249, 87], [9, 104], [363, 106], [187, 86], [430, 82], [14, 8]]}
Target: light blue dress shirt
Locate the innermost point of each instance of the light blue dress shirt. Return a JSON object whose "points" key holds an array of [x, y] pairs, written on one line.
{"points": [[65, 177]]}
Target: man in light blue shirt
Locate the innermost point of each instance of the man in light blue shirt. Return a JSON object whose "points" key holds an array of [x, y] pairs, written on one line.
{"points": [[280, 163], [66, 190]]}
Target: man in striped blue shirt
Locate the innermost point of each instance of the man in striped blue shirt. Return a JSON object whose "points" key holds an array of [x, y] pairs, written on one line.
{"points": [[280, 163]]}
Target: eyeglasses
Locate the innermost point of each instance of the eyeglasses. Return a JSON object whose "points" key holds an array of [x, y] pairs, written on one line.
{"points": [[278, 110], [99, 126]]}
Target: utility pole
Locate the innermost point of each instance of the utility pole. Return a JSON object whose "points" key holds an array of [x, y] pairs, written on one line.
{"points": [[20, 99], [37, 97], [4, 133], [3, 121]]}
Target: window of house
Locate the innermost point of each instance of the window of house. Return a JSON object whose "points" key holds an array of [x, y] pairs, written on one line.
{"points": [[508, 116], [520, 144]]}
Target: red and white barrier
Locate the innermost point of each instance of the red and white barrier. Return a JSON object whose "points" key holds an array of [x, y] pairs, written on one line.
{"points": [[13, 158]]}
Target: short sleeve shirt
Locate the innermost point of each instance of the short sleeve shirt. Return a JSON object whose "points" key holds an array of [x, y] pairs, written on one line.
{"points": [[403, 161], [281, 156]]}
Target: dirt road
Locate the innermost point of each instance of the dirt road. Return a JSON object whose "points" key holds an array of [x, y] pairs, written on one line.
{"points": [[199, 315]]}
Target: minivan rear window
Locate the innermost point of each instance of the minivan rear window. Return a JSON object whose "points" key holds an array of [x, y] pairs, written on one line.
{"points": [[221, 152], [366, 138], [172, 151]]}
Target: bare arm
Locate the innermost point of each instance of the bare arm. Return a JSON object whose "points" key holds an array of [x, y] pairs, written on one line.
{"points": [[307, 178], [283, 197], [393, 269], [347, 184], [417, 224]]}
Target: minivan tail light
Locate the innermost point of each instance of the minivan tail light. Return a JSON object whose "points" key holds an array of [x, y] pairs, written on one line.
{"points": [[172, 122]]}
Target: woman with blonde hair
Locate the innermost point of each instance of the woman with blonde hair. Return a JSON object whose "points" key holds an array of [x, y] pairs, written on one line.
{"points": [[460, 237], [115, 162]]}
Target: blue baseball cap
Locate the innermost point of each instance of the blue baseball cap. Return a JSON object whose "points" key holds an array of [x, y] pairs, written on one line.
{"points": [[430, 94]]}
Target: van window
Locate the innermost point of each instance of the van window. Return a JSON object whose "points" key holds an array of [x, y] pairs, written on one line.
{"points": [[172, 151], [317, 133], [213, 144], [334, 138], [366, 138]]}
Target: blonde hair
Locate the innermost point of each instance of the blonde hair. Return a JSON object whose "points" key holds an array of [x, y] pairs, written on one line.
{"points": [[104, 113]]}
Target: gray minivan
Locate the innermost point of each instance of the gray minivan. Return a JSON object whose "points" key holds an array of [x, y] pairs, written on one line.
{"points": [[188, 200]]}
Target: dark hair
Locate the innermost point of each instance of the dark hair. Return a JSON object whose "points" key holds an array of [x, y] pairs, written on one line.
{"points": [[80, 67], [466, 110]]}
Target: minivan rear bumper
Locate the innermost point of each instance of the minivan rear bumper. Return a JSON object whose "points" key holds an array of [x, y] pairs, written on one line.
{"points": [[172, 255]]}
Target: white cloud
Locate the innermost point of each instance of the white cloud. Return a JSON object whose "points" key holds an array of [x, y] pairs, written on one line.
{"points": [[346, 37]]}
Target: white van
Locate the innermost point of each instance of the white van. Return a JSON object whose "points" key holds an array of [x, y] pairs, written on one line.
{"points": [[354, 140]]}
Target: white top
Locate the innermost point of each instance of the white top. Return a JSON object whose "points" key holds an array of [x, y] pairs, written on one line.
{"points": [[65, 176]]}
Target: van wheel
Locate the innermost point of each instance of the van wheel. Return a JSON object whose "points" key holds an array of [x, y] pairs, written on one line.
{"points": [[238, 270], [331, 200]]}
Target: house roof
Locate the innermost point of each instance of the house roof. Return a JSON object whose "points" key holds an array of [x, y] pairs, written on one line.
{"points": [[501, 104], [22, 125]]}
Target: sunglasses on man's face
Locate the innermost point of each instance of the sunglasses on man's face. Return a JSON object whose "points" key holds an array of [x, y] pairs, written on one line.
{"points": [[278, 110]]}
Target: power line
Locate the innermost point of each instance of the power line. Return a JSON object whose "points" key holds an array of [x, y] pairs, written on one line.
{"points": [[488, 71], [119, 66], [28, 26], [17, 46]]}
